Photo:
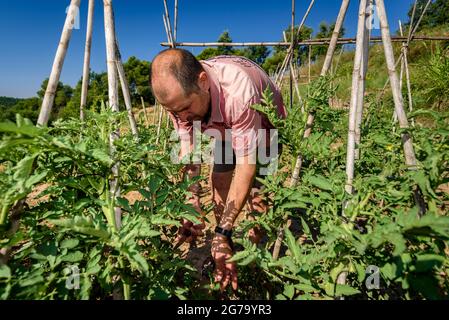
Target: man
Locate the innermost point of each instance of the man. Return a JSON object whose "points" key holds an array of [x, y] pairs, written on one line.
{"points": [[218, 94]]}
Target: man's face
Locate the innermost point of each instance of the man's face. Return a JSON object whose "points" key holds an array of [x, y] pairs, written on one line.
{"points": [[189, 108]]}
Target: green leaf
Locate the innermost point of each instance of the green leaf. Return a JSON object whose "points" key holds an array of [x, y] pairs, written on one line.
{"points": [[82, 225], [247, 260], [426, 262], [28, 130], [101, 156], [23, 168], [292, 246], [69, 243], [320, 182], [5, 272], [389, 271], [29, 281], [305, 287], [305, 227], [124, 203], [36, 178], [345, 290], [73, 257], [240, 256], [158, 220], [289, 291]]}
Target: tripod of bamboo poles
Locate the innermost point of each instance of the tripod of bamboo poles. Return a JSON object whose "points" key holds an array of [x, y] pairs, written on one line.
{"points": [[16, 210], [115, 72], [358, 90], [291, 50], [171, 38], [404, 51], [357, 97], [311, 117]]}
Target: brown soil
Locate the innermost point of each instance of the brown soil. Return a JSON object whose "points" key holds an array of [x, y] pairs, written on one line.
{"points": [[33, 198]]}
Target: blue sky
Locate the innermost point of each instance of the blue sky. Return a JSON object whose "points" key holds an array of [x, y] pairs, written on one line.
{"points": [[30, 31]]}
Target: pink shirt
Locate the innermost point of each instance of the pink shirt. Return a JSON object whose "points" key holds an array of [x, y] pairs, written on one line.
{"points": [[236, 83]]}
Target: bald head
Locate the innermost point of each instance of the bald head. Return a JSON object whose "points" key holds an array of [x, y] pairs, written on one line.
{"points": [[175, 64]]}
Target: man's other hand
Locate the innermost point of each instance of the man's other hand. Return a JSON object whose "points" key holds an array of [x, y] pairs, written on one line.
{"points": [[189, 231], [225, 272]]}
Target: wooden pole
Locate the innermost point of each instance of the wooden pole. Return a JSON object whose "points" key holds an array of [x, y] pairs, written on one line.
{"points": [[293, 49], [362, 78], [410, 158], [333, 42], [313, 42], [86, 68], [310, 63], [144, 111], [350, 155], [169, 38], [335, 68], [324, 71], [125, 91], [290, 52], [58, 63], [167, 16], [421, 17], [407, 72], [411, 37], [159, 123], [109, 26], [175, 34]]}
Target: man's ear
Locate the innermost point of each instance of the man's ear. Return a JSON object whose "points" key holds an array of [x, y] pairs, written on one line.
{"points": [[203, 81]]}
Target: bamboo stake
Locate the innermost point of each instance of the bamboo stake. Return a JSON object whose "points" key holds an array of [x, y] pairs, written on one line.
{"points": [[420, 18], [153, 116], [158, 132], [290, 52], [125, 91], [409, 153], [175, 35], [411, 37], [295, 76], [167, 126], [362, 79], [310, 119], [356, 106], [333, 43], [144, 111], [324, 71], [407, 73], [169, 29], [338, 60], [58, 63], [310, 63], [169, 38], [313, 42], [293, 48], [109, 26], [350, 155], [86, 68]]}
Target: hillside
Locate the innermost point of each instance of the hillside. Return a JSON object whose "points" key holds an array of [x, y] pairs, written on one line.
{"points": [[428, 63]]}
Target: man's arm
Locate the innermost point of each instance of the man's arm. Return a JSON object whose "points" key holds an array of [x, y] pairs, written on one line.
{"points": [[226, 272], [238, 192]]}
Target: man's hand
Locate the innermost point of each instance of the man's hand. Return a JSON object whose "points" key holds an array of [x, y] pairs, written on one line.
{"points": [[189, 232], [225, 272]]}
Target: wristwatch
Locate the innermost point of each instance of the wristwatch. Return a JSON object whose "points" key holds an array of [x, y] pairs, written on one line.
{"points": [[227, 234]]}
